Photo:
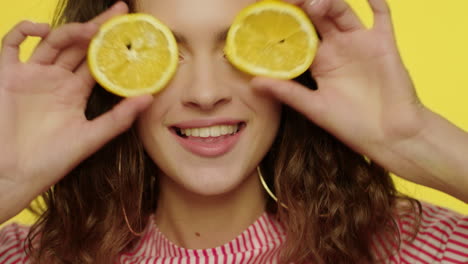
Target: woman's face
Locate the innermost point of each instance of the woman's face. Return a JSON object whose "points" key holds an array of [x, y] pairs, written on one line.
{"points": [[208, 130]]}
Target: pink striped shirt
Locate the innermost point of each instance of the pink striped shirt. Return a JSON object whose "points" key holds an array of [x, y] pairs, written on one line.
{"points": [[442, 238]]}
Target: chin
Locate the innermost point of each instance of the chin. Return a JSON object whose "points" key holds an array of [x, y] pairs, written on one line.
{"points": [[209, 181]]}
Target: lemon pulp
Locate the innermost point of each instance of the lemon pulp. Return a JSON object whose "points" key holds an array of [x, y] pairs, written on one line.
{"points": [[133, 54]]}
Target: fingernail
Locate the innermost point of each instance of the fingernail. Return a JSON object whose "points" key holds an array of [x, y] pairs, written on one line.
{"points": [[116, 4], [314, 2]]}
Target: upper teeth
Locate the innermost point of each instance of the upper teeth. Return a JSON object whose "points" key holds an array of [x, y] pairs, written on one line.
{"points": [[213, 131]]}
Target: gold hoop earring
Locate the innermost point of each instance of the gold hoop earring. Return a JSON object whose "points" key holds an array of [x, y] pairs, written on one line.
{"points": [[265, 186], [119, 171], [128, 224]]}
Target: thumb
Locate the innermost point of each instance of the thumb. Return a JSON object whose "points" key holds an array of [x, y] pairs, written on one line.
{"points": [[296, 95], [114, 122]]}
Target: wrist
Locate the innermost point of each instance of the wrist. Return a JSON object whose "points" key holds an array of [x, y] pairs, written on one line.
{"points": [[433, 156], [14, 197]]}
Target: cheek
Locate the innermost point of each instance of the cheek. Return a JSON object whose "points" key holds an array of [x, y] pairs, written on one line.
{"points": [[274, 109], [272, 118], [162, 103], [267, 121], [147, 118], [150, 121], [267, 109]]}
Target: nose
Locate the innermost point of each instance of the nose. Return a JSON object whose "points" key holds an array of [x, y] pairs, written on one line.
{"points": [[205, 89]]}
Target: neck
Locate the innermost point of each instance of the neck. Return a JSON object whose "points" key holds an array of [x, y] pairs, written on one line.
{"points": [[194, 221]]}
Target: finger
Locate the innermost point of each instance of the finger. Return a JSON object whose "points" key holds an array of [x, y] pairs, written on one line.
{"points": [[71, 34], [118, 8], [293, 94], [14, 38], [382, 15], [323, 24], [85, 74], [71, 58], [331, 16], [114, 122]]}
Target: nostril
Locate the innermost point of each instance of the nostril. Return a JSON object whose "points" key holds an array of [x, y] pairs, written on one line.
{"points": [[206, 103]]}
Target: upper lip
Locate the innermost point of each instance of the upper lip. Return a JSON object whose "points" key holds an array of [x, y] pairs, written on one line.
{"points": [[206, 123]]}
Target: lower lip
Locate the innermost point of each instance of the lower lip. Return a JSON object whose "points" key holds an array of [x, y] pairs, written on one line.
{"points": [[209, 147]]}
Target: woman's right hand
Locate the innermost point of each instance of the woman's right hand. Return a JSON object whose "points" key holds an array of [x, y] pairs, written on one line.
{"points": [[43, 130]]}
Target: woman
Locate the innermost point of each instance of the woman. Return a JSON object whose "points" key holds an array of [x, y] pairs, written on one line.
{"points": [[146, 193]]}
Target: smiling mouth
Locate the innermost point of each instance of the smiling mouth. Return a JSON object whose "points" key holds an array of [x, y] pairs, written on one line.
{"points": [[216, 131]]}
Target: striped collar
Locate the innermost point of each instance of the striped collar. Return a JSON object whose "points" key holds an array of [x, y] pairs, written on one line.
{"points": [[263, 236]]}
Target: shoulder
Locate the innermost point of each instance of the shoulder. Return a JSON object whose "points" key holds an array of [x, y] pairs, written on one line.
{"points": [[12, 243], [441, 235]]}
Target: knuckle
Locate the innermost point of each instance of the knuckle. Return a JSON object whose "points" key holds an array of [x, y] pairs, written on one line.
{"points": [[290, 90], [17, 29], [24, 29], [118, 121], [73, 25], [51, 43], [73, 28], [72, 31], [62, 34], [24, 25]]}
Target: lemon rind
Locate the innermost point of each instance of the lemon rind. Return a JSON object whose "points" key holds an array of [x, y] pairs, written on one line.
{"points": [[252, 69], [106, 83]]}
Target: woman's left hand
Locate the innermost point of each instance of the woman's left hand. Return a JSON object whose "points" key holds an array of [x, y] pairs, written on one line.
{"points": [[365, 96], [366, 99]]}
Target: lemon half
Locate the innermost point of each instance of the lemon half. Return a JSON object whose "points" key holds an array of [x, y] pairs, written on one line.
{"points": [[133, 54], [272, 38]]}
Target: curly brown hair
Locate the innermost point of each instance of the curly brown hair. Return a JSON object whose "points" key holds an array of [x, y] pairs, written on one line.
{"points": [[337, 199]]}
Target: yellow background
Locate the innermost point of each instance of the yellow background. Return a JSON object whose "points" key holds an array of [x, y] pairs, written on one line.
{"points": [[433, 40]]}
